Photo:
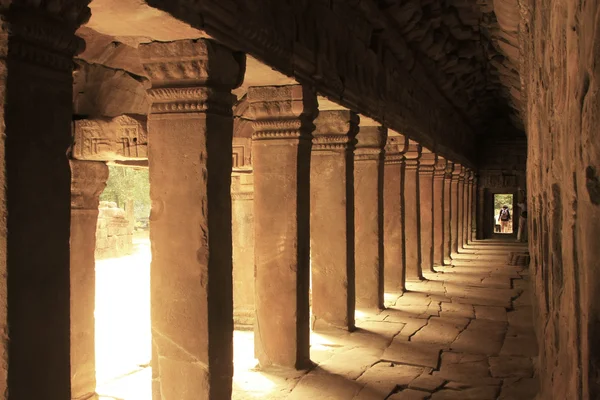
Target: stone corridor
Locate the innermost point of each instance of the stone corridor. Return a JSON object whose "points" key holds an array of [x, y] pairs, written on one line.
{"points": [[463, 333]]}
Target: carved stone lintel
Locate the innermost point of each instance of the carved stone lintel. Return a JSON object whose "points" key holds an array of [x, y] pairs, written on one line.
{"points": [[282, 112], [335, 130], [121, 138]]}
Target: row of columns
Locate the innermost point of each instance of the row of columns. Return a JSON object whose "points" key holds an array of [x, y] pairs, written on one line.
{"points": [[326, 190]]}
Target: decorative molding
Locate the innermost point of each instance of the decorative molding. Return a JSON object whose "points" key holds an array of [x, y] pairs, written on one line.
{"points": [[191, 100], [335, 130], [43, 33], [283, 112]]}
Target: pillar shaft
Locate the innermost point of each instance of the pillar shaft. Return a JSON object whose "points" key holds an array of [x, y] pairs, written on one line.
{"points": [[368, 194], [190, 130], [411, 214], [465, 210], [467, 216], [438, 211], [426, 169], [39, 43], [461, 210], [473, 233], [393, 224], [281, 150], [447, 247], [455, 212], [332, 218], [88, 180]]}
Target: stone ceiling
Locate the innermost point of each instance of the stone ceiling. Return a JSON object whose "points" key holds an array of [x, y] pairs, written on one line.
{"points": [[470, 48]]}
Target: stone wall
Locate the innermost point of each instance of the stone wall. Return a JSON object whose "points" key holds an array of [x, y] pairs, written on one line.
{"points": [[114, 232], [561, 75]]}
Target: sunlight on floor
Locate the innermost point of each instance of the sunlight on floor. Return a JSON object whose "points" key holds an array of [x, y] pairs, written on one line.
{"points": [[123, 333]]}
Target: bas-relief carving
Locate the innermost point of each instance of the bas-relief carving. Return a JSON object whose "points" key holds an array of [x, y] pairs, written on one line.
{"points": [[121, 138]]}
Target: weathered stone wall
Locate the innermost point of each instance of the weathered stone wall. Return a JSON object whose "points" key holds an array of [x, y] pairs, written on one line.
{"points": [[561, 74], [114, 232]]}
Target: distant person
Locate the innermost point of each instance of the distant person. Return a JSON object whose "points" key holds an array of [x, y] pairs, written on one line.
{"points": [[504, 218], [496, 224], [522, 232]]}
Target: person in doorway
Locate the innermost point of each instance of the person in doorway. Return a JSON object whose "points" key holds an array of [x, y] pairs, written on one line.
{"points": [[522, 232], [504, 218]]}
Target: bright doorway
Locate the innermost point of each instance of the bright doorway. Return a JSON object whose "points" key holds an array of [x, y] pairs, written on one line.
{"points": [[503, 213]]}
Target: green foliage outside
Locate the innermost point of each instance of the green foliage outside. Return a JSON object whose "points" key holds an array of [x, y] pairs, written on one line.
{"points": [[126, 183], [501, 200]]}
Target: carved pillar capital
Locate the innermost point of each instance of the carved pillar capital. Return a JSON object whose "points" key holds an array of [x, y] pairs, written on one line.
{"points": [[88, 180], [192, 76], [413, 155], [440, 167], [427, 162], [449, 172], [43, 33], [395, 148], [282, 112], [456, 172], [462, 174], [370, 142], [335, 130]]}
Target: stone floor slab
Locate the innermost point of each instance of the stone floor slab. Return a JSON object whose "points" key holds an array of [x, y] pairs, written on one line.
{"points": [[410, 353], [410, 394]]}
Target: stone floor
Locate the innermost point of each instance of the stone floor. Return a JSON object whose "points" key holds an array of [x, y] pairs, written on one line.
{"points": [[463, 333]]}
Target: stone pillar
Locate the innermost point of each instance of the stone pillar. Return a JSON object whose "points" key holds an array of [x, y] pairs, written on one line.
{"points": [[438, 211], [412, 220], [426, 169], [242, 229], [454, 214], [281, 158], [468, 210], [393, 224], [190, 130], [368, 195], [473, 234], [36, 111], [461, 208], [88, 180], [332, 218], [480, 212], [448, 200]]}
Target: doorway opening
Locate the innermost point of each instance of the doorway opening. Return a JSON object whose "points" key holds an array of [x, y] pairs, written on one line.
{"points": [[122, 312], [503, 213]]}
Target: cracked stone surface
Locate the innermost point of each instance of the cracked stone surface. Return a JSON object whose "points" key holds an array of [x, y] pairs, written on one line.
{"points": [[445, 338], [451, 336]]}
